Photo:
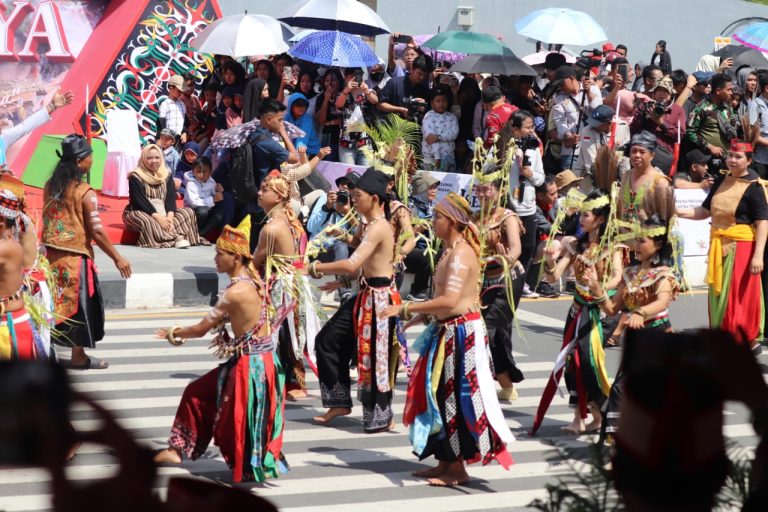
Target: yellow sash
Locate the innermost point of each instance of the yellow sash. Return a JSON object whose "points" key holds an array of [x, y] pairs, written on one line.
{"points": [[738, 233]]}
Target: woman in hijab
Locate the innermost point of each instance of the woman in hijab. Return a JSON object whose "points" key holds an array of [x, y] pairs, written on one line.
{"points": [[151, 209], [637, 85], [265, 70], [232, 73]]}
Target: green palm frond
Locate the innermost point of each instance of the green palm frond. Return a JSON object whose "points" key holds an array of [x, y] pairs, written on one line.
{"points": [[393, 127]]}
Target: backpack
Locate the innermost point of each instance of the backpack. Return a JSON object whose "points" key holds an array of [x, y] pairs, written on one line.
{"points": [[241, 172]]}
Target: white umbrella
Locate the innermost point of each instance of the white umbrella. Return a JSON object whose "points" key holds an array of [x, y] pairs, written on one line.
{"points": [[557, 25], [348, 16], [242, 35], [538, 58], [301, 35]]}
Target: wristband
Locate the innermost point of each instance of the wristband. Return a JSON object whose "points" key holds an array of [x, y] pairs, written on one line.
{"points": [[171, 336], [313, 270], [404, 314]]}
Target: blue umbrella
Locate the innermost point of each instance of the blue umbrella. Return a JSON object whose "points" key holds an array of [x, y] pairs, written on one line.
{"points": [[333, 48], [755, 36]]}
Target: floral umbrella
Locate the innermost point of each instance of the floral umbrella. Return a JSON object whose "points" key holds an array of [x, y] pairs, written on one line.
{"points": [[236, 136]]}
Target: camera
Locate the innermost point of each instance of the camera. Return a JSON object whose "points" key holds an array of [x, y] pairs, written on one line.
{"points": [[414, 106], [342, 197], [658, 109], [403, 39]]}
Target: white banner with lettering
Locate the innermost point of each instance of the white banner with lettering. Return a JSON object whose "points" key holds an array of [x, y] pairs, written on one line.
{"points": [[695, 232]]}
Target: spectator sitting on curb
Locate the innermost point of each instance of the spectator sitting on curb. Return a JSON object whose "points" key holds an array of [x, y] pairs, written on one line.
{"points": [[166, 142], [189, 155], [205, 197]]}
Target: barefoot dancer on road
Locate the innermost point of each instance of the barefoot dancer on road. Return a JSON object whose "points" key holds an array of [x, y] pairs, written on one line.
{"points": [[451, 404], [356, 323]]}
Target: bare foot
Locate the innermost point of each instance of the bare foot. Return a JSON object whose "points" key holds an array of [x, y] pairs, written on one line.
{"points": [[441, 468], [73, 451], [168, 456], [333, 412], [296, 394], [454, 475], [593, 426], [575, 427]]}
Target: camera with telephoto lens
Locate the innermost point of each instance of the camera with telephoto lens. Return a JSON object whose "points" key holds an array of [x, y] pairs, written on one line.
{"points": [[342, 197], [414, 106]]}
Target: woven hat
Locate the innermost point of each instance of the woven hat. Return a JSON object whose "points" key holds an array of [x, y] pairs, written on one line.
{"points": [[236, 240]]}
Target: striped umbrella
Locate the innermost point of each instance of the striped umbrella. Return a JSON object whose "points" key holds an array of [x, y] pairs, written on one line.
{"points": [[755, 36]]}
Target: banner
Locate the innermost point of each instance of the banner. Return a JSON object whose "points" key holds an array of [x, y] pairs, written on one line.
{"points": [[695, 232], [449, 182]]}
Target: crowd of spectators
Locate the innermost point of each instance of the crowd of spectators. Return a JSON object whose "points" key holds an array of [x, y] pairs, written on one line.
{"points": [[559, 120]]}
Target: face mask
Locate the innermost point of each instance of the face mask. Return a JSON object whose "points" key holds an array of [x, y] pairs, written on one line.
{"points": [[377, 77]]}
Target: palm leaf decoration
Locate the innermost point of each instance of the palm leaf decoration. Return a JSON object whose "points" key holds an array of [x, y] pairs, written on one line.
{"points": [[392, 127]]}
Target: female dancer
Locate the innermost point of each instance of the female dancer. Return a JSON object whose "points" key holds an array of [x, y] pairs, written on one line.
{"points": [[645, 292], [582, 356], [737, 206], [500, 229]]}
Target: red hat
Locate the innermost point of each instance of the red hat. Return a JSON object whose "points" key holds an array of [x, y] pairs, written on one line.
{"points": [[741, 146], [608, 47]]}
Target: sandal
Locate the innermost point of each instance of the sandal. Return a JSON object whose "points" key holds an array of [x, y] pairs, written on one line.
{"points": [[91, 363]]}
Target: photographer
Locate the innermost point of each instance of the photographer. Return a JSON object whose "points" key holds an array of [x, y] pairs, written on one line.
{"points": [[712, 125], [328, 210], [407, 95], [661, 117]]}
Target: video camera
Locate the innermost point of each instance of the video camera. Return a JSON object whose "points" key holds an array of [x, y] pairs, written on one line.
{"points": [[416, 107]]}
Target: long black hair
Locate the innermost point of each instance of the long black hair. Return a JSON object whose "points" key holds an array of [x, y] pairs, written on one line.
{"points": [[603, 211], [665, 258], [66, 173]]}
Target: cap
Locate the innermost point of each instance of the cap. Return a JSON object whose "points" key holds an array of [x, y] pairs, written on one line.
{"points": [[351, 177], [554, 60], [168, 133], [666, 84], [421, 182], [703, 76], [373, 182], [178, 82], [600, 115], [608, 47], [562, 73], [491, 94], [696, 156], [565, 178]]}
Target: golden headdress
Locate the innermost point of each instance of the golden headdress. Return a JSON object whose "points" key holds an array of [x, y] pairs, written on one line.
{"points": [[236, 240], [279, 184]]}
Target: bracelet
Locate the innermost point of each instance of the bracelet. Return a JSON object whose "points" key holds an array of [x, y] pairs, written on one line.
{"points": [[404, 314], [602, 299], [639, 311], [172, 339], [313, 270], [550, 270]]}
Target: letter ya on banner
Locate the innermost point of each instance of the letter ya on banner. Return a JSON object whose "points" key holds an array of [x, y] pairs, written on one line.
{"points": [[45, 27]]}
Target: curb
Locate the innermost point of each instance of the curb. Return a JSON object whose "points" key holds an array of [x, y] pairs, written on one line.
{"points": [[161, 290]]}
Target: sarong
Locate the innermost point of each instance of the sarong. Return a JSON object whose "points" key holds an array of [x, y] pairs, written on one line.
{"points": [[582, 358], [20, 337], [451, 405], [499, 318], [78, 300], [738, 308], [355, 328]]}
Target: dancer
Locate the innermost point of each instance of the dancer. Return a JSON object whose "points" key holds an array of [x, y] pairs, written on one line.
{"points": [[642, 182], [645, 292], [239, 404], [737, 206], [582, 356], [451, 404], [71, 222], [500, 232], [281, 246], [357, 324]]}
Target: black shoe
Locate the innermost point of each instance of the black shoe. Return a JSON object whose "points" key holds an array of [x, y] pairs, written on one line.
{"points": [[570, 287], [417, 297], [547, 290]]}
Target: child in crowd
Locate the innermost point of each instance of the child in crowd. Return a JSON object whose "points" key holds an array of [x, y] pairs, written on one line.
{"points": [[206, 117], [189, 155], [227, 96], [440, 128], [297, 114], [204, 196], [167, 143], [235, 110]]}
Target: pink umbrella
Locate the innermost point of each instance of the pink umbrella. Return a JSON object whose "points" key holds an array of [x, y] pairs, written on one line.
{"points": [[438, 56], [537, 59]]}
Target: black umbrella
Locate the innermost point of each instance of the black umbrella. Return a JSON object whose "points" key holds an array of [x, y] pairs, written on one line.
{"points": [[506, 64], [731, 51], [751, 58]]}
